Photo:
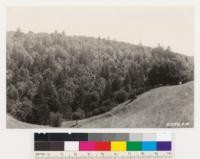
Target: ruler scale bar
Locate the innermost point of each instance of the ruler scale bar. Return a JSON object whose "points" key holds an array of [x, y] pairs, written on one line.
{"points": [[66, 155]]}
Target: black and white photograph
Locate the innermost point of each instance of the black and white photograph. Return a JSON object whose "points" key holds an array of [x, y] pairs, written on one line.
{"points": [[100, 67]]}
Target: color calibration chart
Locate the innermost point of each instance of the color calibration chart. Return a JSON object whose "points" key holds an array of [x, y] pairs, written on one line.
{"points": [[103, 146]]}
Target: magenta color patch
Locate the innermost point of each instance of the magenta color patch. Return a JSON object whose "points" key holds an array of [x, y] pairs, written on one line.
{"points": [[86, 146]]}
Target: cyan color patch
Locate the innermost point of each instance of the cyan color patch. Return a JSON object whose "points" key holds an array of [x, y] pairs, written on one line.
{"points": [[149, 146]]}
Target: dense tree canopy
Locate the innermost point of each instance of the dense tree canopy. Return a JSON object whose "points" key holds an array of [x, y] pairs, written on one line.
{"points": [[51, 76]]}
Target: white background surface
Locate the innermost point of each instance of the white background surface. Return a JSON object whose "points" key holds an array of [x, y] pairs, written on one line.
{"points": [[17, 144]]}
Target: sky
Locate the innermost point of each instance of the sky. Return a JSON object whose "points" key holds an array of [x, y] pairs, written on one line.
{"points": [[166, 25]]}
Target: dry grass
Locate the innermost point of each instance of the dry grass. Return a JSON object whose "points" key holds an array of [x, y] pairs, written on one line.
{"points": [[153, 109], [14, 123]]}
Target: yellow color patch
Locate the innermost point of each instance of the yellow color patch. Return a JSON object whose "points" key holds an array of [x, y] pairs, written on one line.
{"points": [[118, 146]]}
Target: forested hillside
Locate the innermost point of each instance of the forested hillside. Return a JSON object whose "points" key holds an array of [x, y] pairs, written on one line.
{"points": [[54, 77]]}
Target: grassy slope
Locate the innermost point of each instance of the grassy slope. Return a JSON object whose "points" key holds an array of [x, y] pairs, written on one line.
{"points": [[14, 123], [152, 109]]}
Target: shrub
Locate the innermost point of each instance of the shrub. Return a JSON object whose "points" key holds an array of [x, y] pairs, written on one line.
{"points": [[139, 91], [41, 114], [23, 111], [133, 95], [79, 114], [55, 119], [12, 92], [120, 96], [100, 110], [10, 105], [108, 103], [66, 111], [91, 100]]}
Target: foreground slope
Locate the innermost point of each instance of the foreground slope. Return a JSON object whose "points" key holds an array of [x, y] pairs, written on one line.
{"points": [[155, 108], [14, 123]]}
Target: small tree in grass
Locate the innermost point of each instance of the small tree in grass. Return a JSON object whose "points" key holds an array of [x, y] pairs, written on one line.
{"points": [[55, 119], [120, 96], [132, 95], [77, 115]]}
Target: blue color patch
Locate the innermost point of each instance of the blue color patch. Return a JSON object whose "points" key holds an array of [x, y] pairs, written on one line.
{"points": [[149, 146]]}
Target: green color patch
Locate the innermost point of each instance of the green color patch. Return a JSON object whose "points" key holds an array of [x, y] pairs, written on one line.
{"points": [[134, 146]]}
